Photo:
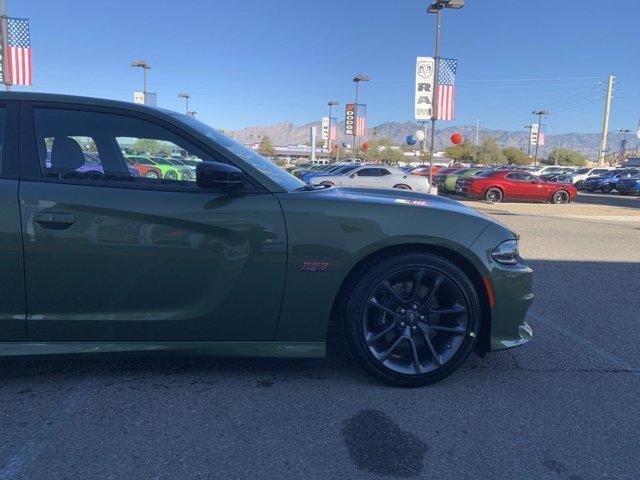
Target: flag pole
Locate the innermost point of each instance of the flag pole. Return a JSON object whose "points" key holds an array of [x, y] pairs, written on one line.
{"points": [[5, 65], [436, 67]]}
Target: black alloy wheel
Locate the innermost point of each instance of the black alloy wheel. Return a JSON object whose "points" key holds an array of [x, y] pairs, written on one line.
{"points": [[493, 195], [561, 197], [412, 319]]}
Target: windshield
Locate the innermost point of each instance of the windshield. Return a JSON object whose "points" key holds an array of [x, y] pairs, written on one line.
{"points": [[266, 167]]}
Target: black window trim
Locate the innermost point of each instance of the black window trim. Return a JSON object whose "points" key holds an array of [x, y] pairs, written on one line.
{"points": [[10, 146], [29, 165]]}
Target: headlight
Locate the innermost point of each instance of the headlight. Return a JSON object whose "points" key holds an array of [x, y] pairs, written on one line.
{"points": [[506, 253]]}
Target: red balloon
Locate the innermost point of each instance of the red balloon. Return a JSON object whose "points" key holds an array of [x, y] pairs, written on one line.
{"points": [[365, 146], [456, 138]]}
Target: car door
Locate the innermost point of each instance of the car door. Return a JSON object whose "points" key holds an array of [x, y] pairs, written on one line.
{"points": [[12, 289], [112, 257], [532, 188]]}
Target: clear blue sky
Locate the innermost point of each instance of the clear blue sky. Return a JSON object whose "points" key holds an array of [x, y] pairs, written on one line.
{"points": [[254, 62]]}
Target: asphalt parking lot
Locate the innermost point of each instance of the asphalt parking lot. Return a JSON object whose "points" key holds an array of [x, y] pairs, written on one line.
{"points": [[566, 406]]}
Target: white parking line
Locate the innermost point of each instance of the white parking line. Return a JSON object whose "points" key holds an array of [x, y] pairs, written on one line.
{"points": [[589, 346], [43, 436]]}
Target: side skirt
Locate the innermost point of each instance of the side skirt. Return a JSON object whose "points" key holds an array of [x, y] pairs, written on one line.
{"points": [[232, 349]]}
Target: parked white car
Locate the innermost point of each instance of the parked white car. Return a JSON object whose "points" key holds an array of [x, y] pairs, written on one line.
{"points": [[581, 175], [376, 176]]}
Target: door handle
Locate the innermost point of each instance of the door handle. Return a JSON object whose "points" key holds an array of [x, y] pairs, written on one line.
{"points": [[54, 221]]}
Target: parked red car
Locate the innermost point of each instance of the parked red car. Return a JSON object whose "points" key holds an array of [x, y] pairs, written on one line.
{"points": [[423, 171], [497, 185]]}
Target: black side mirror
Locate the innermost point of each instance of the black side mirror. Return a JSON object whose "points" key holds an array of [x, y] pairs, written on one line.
{"points": [[218, 175]]}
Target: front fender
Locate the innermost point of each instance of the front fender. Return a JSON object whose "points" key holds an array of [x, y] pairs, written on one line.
{"points": [[329, 235]]}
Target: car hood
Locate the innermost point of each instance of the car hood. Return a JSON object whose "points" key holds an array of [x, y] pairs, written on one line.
{"points": [[401, 198]]}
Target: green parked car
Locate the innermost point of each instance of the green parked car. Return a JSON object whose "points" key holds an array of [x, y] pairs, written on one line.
{"points": [[451, 178], [245, 261]]}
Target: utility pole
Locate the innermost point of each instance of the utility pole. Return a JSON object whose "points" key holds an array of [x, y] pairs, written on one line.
{"points": [[331, 104], [540, 113], [605, 123], [475, 152], [5, 41]]}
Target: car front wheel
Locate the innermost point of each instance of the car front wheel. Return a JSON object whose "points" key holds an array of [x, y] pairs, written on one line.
{"points": [[412, 319], [607, 188], [151, 174], [402, 186], [171, 175], [327, 184]]}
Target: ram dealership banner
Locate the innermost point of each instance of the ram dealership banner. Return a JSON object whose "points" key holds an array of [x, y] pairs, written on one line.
{"points": [[535, 130], [324, 133], [425, 72]]}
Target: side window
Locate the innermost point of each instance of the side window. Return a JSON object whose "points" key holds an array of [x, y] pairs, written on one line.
{"points": [[512, 176], [92, 147], [525, 177], [368, 172], [384, 171]]}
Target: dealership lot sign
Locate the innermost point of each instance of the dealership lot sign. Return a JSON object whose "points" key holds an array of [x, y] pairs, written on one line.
{"points": [[425, 73]]}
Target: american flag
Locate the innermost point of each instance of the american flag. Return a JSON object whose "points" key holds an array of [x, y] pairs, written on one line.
{"points": [[19, 51], [333, 131], [446, 91], [361, 120]]}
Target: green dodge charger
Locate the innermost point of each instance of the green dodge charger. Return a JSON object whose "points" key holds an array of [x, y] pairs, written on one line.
{"points": [[244, 259]]}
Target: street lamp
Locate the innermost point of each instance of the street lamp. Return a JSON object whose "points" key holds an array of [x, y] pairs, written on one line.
{"points": [[357, 79], [623, 144], [540, 113], [186, 97], [331, 103], [436, 7], [144, 66]]}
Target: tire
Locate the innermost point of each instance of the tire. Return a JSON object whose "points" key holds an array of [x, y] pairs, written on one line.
{"points": [[606, 188], [493, 195], [415, 345], [171, 175], [579, 184], [402, 186], [327, 184], [151, 174], [561, 197]]}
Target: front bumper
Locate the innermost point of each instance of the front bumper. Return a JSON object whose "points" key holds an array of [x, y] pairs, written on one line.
{"points": [[510, 296]]}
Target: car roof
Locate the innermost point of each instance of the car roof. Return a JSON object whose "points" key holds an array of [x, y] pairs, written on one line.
{"points": [[75, 99]]}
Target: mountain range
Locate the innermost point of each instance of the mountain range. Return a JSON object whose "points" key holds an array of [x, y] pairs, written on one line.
{"points": [[285, 133]]}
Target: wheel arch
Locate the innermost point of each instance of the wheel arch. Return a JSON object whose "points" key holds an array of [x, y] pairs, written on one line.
{"points": [[334, 327]]}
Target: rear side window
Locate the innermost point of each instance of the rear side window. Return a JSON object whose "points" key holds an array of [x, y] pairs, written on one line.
{"points": [[384, 171], [368, 172]]}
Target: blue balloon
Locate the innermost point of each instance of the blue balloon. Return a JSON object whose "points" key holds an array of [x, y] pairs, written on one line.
{"points": [[411, 140], [345, 144]]}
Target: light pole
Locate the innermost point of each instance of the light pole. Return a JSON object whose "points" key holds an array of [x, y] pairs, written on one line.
{"points": [[623, 144], [436, 7], [331, 104], [191, 113], [186, 97], [529, 127], [144, 66], [540, 113], [357, 79]]}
